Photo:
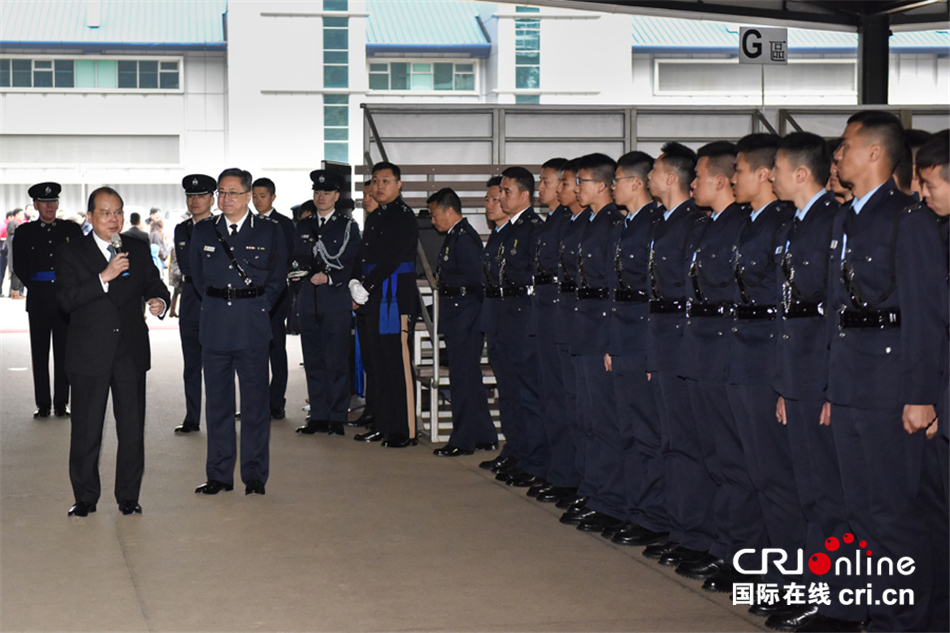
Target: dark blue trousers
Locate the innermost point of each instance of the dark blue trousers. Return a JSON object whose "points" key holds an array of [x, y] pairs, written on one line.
{"points": [[554, 416], [566, 446], [818, 483], [47, 324], [325, 341], [278, 352], [507, 403], [640, 438], [471, 419], [583, 433], [521, 354], [220, 367], [769, 461], [689, 488], [934, 493], [604, 473], [188, 318], [881, 474]]}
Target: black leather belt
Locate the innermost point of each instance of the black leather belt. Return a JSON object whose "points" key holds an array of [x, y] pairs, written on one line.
{"points": [[869, 318], [458, 291], [630, 295], [667, 306], [802, 310], [709, 309], [232, 294], [545, 279], [593, 293], [756, 313], [508, 291], [567, 286]]}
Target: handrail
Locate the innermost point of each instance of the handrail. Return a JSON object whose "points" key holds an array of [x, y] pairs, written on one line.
{"points": [[432, 326], [372, 126]]}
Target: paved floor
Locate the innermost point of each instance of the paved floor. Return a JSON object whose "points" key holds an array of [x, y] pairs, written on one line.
{"points": [[350, 537]]}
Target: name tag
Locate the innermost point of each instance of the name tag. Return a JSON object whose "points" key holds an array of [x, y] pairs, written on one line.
{"points": [[182, 243], [209, 249], [834, 244]]}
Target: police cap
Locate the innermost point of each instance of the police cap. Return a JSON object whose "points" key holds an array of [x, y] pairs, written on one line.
{"points": [[324, 180], [45, 191], [198, 184]]}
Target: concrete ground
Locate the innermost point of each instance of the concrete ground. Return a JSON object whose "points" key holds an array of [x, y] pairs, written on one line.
{"points": [[350, 537]]}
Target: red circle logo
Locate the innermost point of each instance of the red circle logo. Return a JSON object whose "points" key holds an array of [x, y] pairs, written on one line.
{"points": [[863, 543], [848, 538], [819, 564], [831, 544]]}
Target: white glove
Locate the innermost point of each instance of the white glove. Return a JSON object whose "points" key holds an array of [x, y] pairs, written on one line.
{"points": [[358, 292]]}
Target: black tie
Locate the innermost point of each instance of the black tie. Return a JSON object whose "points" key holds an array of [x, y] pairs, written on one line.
{"points": [[322, 222], [234, 230]]}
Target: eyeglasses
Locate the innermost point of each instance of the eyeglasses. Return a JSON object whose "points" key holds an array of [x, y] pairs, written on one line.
{"points": [[230, 194], [579, 180], [384, 181], [112, 214], [616, 180]]}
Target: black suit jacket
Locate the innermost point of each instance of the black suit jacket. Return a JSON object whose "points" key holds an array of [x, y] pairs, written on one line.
{"points": [[137, 233], [100, 319]]}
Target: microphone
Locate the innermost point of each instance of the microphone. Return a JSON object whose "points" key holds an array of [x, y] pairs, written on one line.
{"points": [[117, 245]]}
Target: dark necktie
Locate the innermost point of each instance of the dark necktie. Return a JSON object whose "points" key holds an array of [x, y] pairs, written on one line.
{"points": [[111, 250], [234, 230], [323, 221]]}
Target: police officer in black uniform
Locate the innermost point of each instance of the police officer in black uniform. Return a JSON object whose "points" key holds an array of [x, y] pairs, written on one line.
{"points": [[199, 196], [459, 279], [647, 519], [35, 245], [325, 251], [383, 284]]}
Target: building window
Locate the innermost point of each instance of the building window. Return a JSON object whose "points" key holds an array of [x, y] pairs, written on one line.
{"points": [[335, 53], [422, 76], [90, 73], [336, 130], [335, 5], [527, 55]]}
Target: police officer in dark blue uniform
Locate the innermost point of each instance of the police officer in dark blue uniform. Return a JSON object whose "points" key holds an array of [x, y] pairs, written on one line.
{"points": [[238, 259], [688, 487], [880, 462], [647, 521], [604, 463], [558, 455], [35, 245], [459, 278], [802, 167], [199, 195], [325, 251], [263, 198], [383, 284], [752, 348], [517, 329]]}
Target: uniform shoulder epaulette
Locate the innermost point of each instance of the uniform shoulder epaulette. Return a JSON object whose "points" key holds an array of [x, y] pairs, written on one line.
{"points": [[269, 219], [536, 220], [210, 218]]}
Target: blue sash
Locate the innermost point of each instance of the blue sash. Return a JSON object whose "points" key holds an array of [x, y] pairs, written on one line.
{"points": [[389, 306], [46, 275]]}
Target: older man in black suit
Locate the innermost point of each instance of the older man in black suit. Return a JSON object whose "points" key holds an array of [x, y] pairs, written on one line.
{"points": [[101, 284]]}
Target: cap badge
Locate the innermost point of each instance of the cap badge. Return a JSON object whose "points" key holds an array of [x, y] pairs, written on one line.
{"points": [[48, 189], [194, 182]]}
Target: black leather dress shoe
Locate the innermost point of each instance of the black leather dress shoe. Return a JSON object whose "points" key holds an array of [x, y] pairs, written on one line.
{"points": [[370, 436], [486, 446], [490, 464], [681, 555], [572, 517], [187, 427], [639, 538], [616, 528], [794, 619], [555, 494], [81, 509], [278, 413], [399, 441], [506, 465], [723, 580], [597, 522], [571, 501], [451, 451], [536, 489], [61, 412], [41, 412], [254, 487], [522, 480], [658, 551], [363, 420], [129, 507], [768, 610], [701, 569], [335, 428], [213, 487], [312, 427]]}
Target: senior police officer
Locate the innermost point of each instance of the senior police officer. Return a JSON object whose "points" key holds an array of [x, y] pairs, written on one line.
{"points": [[383, 285], [263, 196], [459, 276], [238, 260], [199, 196], [869, 286], [35, 245], [647, 521], [325, 251]]}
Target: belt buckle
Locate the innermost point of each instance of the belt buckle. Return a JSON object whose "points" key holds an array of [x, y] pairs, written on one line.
{"points": [[463, 291]]}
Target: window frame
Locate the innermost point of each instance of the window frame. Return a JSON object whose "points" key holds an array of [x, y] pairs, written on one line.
{"points": [[410, 61], [179, 59]]}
